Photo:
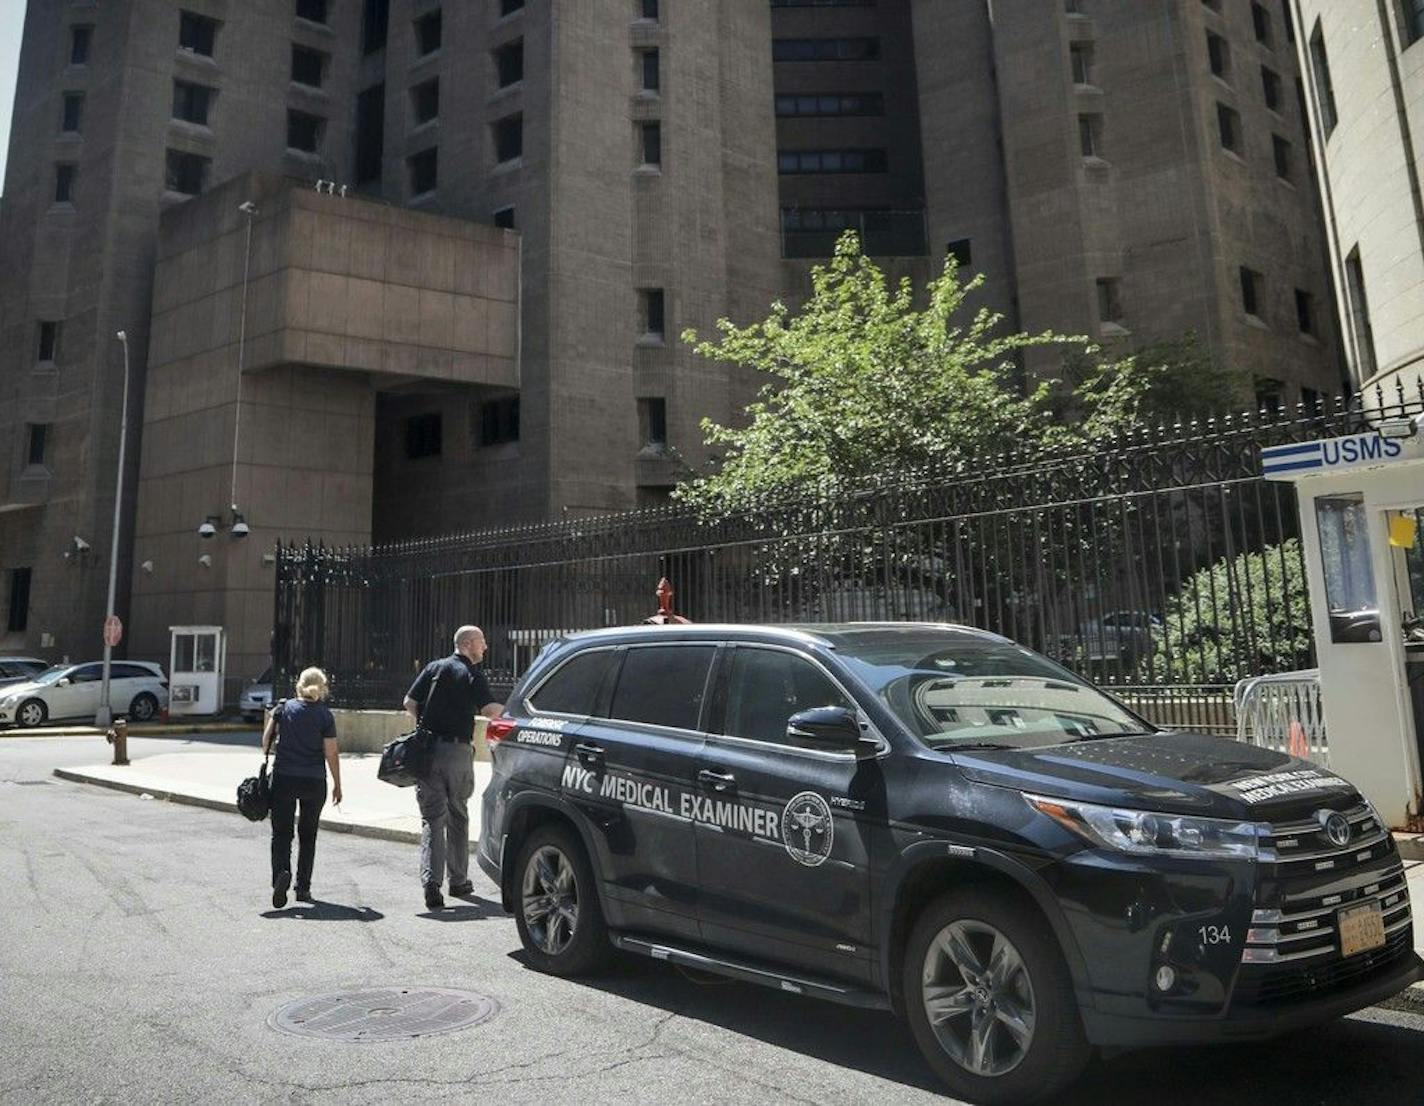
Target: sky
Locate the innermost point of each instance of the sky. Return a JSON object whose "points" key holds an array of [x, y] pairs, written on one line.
{"points": [[12, 22]]}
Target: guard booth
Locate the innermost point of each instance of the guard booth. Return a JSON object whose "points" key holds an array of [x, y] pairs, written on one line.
{"points": [[197, 659], [1361, 500]]}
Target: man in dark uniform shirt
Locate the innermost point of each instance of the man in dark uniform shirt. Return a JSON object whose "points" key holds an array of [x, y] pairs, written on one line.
{"points": [[445, 698]]}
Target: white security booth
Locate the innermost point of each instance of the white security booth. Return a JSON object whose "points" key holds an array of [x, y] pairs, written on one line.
{"points": [[1361, 505], [195, 671]]}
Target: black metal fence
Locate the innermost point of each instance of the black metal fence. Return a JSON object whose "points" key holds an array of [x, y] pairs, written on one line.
{"points": [[1166, 567]]}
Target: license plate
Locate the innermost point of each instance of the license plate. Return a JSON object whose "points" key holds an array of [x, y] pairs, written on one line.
{"points": [[1361, 928]]}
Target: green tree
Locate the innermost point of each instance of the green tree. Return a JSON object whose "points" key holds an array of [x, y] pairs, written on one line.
{"points": [[1242, 616], [863, 384]]}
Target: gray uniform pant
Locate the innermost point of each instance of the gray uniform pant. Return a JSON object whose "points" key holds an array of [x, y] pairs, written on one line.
{"points": [[444, 796]]}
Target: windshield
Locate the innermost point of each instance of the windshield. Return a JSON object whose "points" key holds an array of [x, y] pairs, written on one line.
{"points": [[954, 690], [265, 678], [50, 675]]}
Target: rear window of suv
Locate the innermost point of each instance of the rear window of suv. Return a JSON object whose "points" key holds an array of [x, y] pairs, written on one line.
{"points": [[573, 688], [663, 685]]}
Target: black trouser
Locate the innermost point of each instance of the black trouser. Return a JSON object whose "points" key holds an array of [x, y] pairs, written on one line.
{"points": [[287, 792]]}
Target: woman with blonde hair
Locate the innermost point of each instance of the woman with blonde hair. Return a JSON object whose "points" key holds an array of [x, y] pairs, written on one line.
{"points": [[305, 734]]}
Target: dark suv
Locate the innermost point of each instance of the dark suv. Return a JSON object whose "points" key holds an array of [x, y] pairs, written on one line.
{"points": [[933, 820]]}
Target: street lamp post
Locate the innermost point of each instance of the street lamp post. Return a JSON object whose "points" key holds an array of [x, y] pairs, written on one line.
{"points": [[249, 209], [105, 715]]}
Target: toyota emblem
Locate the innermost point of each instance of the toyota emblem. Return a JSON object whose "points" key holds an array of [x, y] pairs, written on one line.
{"points": [[1336, 827]]}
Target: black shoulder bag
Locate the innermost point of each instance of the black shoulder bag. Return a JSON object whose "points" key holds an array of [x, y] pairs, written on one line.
{"points": [[254, 794], [406, 760]]}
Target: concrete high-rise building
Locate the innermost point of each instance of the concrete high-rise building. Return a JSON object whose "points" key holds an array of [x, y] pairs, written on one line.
{"points": [[1363, 61], [1129, 169]]}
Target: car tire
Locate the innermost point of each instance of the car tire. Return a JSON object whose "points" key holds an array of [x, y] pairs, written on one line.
{"points": [[32, 713], [144, 708], [556, 904], [1011, 1035]]}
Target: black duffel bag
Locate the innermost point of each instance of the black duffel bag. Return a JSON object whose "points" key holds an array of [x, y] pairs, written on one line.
{"points": [[254, 795], [406, 760]]}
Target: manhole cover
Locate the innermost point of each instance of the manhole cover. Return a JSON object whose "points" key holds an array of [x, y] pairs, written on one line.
{"points": [[384, 1014]]}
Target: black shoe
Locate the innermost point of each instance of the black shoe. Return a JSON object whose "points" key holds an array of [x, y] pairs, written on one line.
{"points": [[304, 895], [433, 899], [280, 884], [462, 890]]}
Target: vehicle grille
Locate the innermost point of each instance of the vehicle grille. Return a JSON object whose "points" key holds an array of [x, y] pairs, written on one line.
{"points": [[1292, 949]]}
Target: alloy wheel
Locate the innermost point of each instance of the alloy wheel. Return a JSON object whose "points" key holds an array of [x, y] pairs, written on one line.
{"points": [[550, 900], [31, 714], [978, 998]]}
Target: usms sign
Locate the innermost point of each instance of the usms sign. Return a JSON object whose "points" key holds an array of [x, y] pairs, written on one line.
{"points": [[1287, 462]]}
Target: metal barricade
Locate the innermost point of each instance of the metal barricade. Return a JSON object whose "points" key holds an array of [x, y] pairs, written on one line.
{"points": [[1283, 712]]}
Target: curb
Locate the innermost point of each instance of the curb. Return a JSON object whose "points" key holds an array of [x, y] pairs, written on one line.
{"points": [[162, 730], [356, 829]]}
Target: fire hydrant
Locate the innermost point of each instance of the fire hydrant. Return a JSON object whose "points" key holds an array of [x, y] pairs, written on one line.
{"points": [[118, 737]]}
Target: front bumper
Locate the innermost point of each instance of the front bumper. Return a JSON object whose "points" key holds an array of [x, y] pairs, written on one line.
{"points": [[1251, 1023]]}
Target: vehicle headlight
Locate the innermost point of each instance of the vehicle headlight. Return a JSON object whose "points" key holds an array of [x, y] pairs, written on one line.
{"points": [[1147, 833]]}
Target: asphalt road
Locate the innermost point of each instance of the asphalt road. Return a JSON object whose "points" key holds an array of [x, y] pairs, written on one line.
{"points": [[141, 960]]}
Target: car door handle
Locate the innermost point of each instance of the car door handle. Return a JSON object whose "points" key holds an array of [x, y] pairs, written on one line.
{"points": [[717, 781], [587, 751]]}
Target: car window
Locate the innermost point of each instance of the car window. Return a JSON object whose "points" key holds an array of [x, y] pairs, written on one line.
{"points": [[86, 674], [130, 672], [574, 685], [663, 685], [767, 686], [8, 670]]}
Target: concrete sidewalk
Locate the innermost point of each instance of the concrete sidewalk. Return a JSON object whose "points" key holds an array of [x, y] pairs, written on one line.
{"points": [[209, 778]]}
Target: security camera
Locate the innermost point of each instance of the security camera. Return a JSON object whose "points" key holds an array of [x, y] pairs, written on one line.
{"points": [[206, 560], [207, 530], [122, 335], [247, 207], [240, 529], [80, 545], [147, 566]]}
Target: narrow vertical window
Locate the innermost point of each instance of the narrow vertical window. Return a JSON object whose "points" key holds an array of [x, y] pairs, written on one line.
{"points": [[304, 131], [654, 321], [1271, 87], [1261, 22], [509, 63], [48, 344], [79, 40], [424, 170], [1304, 311], [1283, 155], [429, 31], [197, 34], [73, 112], [652, 424], [1090, 135], [64, 178], [425, 101], [504, 218], [1360, 313], [1250, 292], [19, 614], [509, 138], [1110, 301], [1324, 88], [375, 21], [650, 9], [1081, 56], [370, 133], [652, 143], [1218, 55], [308, 66], [39, 436], [652, 78], [1228, 126], [313, 11]]}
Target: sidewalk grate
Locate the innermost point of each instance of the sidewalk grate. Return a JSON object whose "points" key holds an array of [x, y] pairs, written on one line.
{"points": [[383, 1014]]}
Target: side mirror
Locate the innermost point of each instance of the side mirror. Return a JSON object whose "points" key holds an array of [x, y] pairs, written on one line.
{"points": [[834, 729], [64, 682]]}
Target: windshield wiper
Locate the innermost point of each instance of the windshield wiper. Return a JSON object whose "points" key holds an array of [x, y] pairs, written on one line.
{"points": [[973, 746]]}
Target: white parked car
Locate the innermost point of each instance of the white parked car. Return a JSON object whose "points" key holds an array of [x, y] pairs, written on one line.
{"points": [[17, 670], [138, 691], [256, 697]]}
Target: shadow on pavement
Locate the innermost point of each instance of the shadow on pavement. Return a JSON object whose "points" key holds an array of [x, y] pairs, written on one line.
{"points": [[325, 912], [472, 909], [1346, 1061]]}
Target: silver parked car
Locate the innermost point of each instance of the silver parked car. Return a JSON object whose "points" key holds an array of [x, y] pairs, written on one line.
{"points": [[256, 697], [15, 670], [138, 691]]}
